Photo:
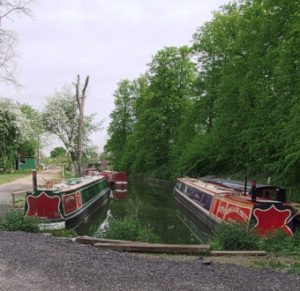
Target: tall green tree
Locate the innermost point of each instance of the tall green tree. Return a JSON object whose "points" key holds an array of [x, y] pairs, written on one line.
{"points": [[122, 121], [159, 108]]}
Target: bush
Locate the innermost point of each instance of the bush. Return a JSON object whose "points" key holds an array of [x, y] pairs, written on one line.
{"points": [[279, 242], [15, 220], [128, 229], [64, 233], [234, 237]]}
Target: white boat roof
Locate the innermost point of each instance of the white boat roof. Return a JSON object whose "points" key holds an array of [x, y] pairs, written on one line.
{"points": [[67, 186], [207, 187]]}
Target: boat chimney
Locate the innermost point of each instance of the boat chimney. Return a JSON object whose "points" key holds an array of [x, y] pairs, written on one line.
{"points": [[253, 191], [245, 185], [34, 180]]}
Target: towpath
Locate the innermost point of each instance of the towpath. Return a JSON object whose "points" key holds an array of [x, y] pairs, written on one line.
{"points": [[37, 262], [25, 183]]}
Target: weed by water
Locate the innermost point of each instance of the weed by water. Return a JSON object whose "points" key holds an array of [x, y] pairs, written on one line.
{"points": [[15, 220], [234, 237], [294, 269], [128, 229], [280, 243], [64, 233]]}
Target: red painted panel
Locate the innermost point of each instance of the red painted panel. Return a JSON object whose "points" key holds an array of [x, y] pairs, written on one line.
{"points": [[215, 206], [221, 210], [231, 212], [71, 202], [272, 219], [43, 205], [237, 213], [119, 195], [119, 176]]}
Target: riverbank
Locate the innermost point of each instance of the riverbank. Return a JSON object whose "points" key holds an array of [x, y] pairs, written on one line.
{"points": [[38, 262]]}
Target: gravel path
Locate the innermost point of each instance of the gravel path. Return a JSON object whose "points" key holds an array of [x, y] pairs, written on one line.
{"points": [[37, 262]]}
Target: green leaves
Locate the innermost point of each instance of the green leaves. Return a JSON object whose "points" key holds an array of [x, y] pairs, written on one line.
{"points": [[227, 105], [15, 130]]}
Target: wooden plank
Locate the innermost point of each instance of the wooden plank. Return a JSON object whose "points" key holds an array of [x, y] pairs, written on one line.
{"points": [[88, 240], [21, 192], [13, 195], [237, 253], [154, 248]]}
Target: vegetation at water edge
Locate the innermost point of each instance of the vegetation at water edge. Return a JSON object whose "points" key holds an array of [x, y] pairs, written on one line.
{"points": [[127, 229]]}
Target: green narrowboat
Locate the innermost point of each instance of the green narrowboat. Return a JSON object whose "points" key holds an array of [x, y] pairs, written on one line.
{"points": [[67, 204]]}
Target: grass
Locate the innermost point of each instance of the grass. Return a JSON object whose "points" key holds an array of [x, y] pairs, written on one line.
{"points": [[10, 177], [283, 252], [14, 220]]}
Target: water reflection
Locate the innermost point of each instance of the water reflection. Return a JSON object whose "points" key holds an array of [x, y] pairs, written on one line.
{"points": [[155, 207]]}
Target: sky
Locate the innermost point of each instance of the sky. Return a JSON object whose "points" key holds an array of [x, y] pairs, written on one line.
{"points": [[107, 40]]}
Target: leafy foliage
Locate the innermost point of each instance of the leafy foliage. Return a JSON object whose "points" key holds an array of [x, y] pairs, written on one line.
{"points": [[282, 244], [58, 151], [229, 104], [235, 237], [15, 220], [60, 118], [15, 130], [128, 229]]}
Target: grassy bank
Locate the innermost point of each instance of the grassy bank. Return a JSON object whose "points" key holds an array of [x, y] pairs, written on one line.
{"points": [[10, 177], [283, 251]]}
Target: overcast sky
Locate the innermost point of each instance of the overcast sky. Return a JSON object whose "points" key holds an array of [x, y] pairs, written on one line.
{"points": [[108, 40]]}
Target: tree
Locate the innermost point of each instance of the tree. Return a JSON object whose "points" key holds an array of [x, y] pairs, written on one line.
{"points": [[122, 122], [58, 152], [15, 130], [33, 145], [148, 113], [171, 76], [61, 118], [8, 10], [80, 99]]}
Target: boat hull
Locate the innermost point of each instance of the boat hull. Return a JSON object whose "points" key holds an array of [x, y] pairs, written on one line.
{"points": [[83, 215], [197, 211], [68, 206], [214, 203]]}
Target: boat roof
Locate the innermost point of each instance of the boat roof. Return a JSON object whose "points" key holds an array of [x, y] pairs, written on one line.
{"points": [[206, 186], [235, 184], [71, 184]]}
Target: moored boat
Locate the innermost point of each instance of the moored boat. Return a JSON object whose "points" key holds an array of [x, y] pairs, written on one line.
{"points": [[67, 204], [214, 200], [118, 183]]}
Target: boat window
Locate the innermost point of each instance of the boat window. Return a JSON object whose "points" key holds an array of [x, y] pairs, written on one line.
{"points": [[272, 194], [182, 187]]}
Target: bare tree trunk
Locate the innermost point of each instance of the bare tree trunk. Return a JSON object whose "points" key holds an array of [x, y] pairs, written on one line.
{"points": [[80, 98]]}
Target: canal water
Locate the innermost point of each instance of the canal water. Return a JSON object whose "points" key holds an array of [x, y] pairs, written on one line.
{"points": [[154, 207]]}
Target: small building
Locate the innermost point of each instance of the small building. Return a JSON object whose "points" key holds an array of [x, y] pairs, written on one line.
{"points": [[26, 163]]}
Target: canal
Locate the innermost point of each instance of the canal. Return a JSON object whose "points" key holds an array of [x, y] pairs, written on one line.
{"points": [[154, 206]]}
